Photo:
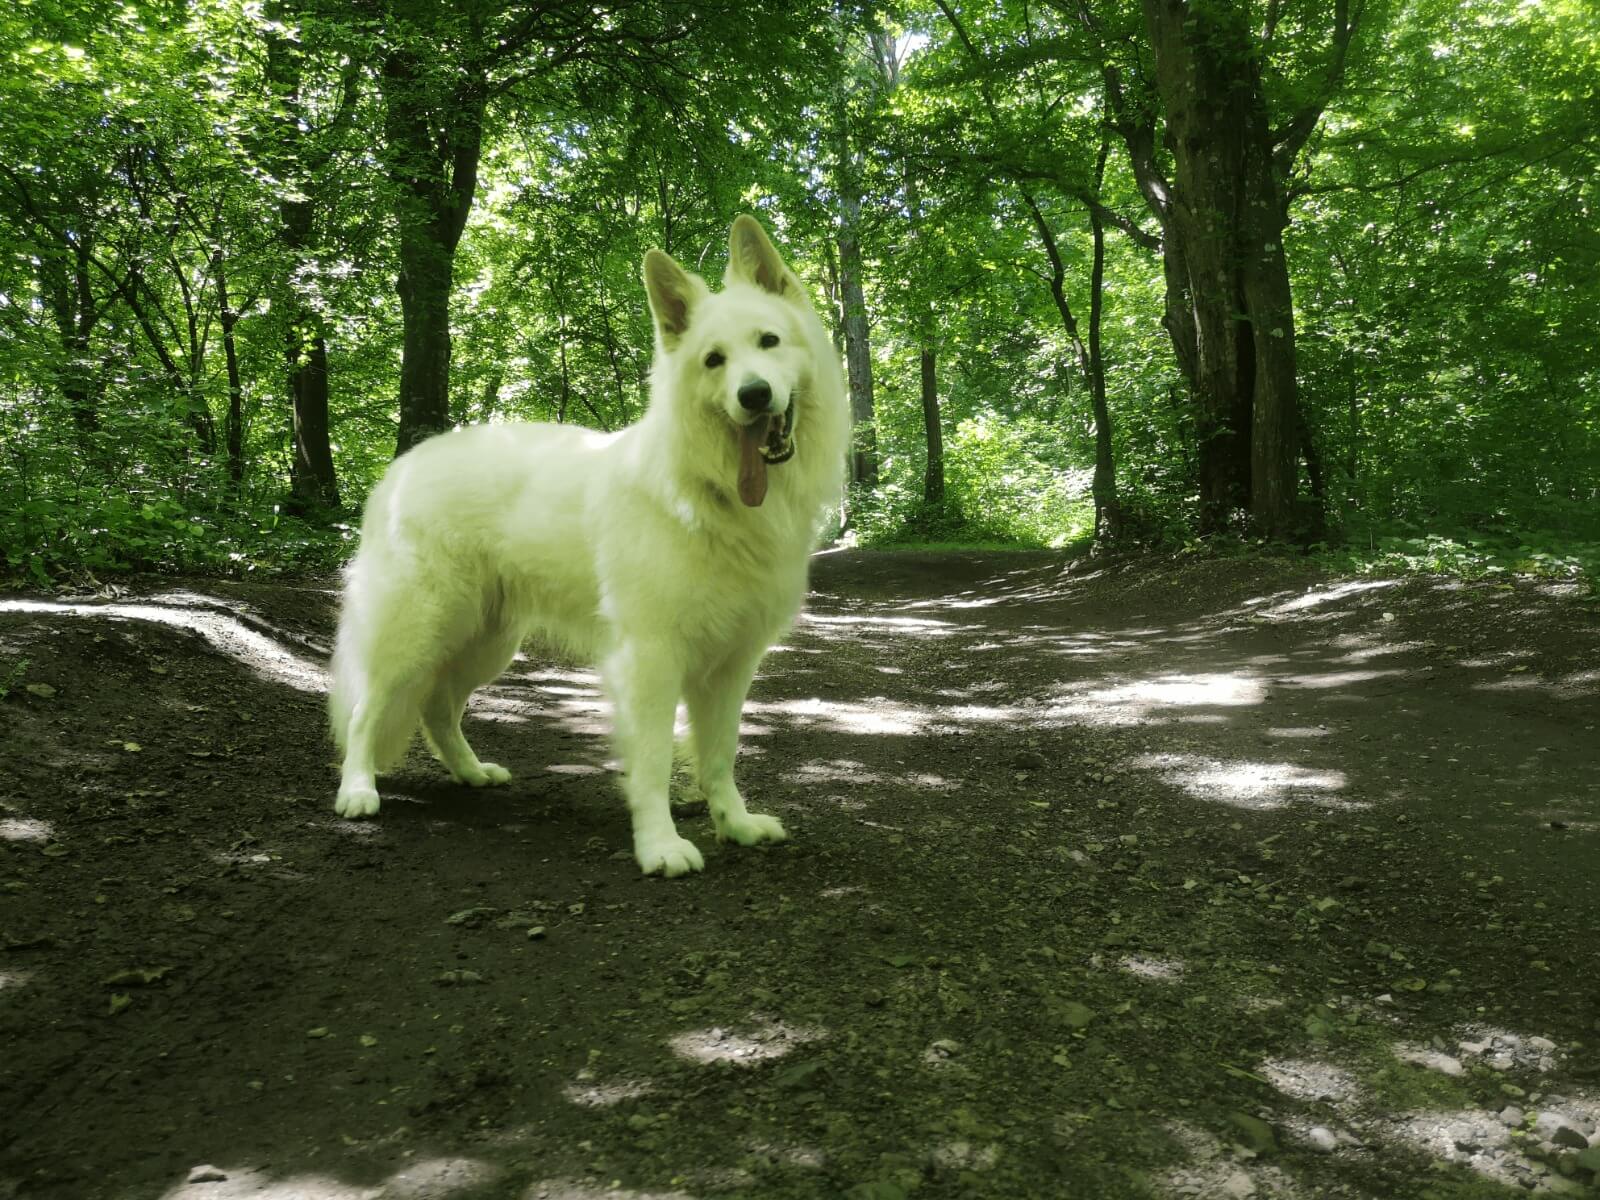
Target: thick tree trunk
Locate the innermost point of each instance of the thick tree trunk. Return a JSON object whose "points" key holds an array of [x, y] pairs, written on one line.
{"points": [[424, 287], [1225, 222], [933, 475]]}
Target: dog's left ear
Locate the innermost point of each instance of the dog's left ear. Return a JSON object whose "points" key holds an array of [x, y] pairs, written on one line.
{"points": [[752, 258]]}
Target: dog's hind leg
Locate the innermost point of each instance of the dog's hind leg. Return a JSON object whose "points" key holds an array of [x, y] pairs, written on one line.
{"points": [[476, 665], [644, 684], [381, 722], [715, 702]]}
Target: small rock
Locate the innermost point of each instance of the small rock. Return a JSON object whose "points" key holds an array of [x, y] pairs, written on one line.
{"points": [[1238, 1186], [1589, 1160], [321, 1031], [1322, 1139], [1543, 1044], [1465, 1137], [1254, 1133], [1030, 760], [1569, 1138], [206, 1174], [1551, 1125], [1511, 1116], [43, 690], [471, 918]]}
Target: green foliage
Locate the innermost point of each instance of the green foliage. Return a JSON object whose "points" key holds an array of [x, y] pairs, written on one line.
{"points": [[12, 676], [1540, 553], [1001, 488], [1442, 250]]}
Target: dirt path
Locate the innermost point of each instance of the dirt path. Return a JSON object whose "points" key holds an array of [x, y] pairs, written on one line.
{"points": [[1175, 879]]}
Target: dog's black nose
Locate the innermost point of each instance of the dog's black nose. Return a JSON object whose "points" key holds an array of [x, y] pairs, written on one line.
{"points": [[756, 396]]}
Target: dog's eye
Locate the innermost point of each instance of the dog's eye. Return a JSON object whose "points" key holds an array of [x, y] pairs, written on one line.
{"points": [[768, 340], [715, 359]]}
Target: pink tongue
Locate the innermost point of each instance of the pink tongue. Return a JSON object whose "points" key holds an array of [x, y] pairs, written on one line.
{"points": [[752, 467]]}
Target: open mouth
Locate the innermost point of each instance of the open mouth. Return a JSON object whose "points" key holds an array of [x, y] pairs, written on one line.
{"points": [[779, 446], [766, 441]]}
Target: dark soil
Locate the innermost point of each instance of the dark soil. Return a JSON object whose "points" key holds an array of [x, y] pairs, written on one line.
{"points": [[1169, 878]]}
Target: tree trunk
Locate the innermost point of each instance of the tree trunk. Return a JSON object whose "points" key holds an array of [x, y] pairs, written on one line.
{"points": [[857, 344], [933, 475], [71, 298], [313, 482], [1107, 511], [424, 286], [1091, 361], [233, 424], [432, 143], [1225, 221], [853, 305]]}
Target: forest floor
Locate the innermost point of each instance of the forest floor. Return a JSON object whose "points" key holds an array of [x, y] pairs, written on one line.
{"points": [[1210, 878]]}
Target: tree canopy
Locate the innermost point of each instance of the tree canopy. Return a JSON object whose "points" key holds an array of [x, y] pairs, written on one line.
{"points": [[1143, 272]]}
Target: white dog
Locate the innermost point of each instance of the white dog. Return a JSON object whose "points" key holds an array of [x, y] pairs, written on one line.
{"points": [[672, 554]]}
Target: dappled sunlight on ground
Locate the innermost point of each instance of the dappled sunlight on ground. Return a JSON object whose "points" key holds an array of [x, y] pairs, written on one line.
{"points": [[1311, 1080], [1183, 690], [1511, 1142], [843, 716], [558, 1189], [1333, 679], [428, 1179], [589, 1094], [763, 1040], [853, 626], [1317, 597], [1162, 970], [845, 770], [1252, 785], [11, 980], [1212, 1171], [25, 829], [227, 634]]}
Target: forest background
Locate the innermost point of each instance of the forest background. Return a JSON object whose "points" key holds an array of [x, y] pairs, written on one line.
{"points": [[1324, 272]]}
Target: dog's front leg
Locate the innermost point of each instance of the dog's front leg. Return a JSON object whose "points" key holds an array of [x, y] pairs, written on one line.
{"points": [[645, 683], [716, 702]]}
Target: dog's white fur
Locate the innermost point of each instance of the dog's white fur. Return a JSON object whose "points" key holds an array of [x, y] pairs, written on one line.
{"points": [[631, 550]]}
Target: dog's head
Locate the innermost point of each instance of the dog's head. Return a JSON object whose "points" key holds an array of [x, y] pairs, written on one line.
{"points": [[743, 353]]}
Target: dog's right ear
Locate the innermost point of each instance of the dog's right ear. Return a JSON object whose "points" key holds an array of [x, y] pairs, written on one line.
{"points": [[673, 295]]}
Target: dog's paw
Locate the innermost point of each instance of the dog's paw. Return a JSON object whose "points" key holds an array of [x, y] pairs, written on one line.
{"points": [[750, 829], [357, 802], [484, 775], [668, 856]]}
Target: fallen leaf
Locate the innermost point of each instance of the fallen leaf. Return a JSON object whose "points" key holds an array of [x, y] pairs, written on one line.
{"points": [[136, 977]]}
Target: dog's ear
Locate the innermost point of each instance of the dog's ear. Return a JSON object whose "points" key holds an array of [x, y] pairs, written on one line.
{"points": [[673, 295], [752, 258]]}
